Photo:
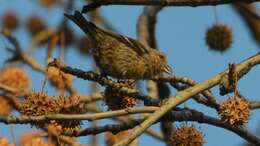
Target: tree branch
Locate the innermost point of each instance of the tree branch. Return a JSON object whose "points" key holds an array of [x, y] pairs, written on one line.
{"points": [[179, 115], [89, 117], [182, 3]]}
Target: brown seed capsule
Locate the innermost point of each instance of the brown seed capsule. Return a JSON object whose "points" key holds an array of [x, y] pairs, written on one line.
{"points": [[15, 77], [187, 136], [35, 25], [116, 101], [235, 111], [10, 21], [219, 37], [119, 56], [70, 105], [37, 104]]}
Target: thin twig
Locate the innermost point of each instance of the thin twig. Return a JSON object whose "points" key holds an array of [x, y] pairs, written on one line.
{"points": [[89, 117]]}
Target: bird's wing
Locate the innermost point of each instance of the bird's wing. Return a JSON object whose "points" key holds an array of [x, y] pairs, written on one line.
{"points": [[132, 43], [96, 33]]}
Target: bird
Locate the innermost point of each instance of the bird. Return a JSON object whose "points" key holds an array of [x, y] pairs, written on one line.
{"points": [[119, 56]]}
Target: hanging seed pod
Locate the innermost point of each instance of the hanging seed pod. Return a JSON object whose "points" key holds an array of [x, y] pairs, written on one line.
{"points": [[219, 37], [235, 111], [10, 21], [116, 101], [187, 136]]}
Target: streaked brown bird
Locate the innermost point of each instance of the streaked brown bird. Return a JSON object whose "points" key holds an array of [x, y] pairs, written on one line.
{"points": [[119, 56]]}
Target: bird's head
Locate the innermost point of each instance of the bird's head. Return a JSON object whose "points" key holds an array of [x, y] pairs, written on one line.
{"points": [[159, 62]]}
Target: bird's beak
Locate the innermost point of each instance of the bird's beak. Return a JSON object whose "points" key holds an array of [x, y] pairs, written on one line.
{"points": [[167, 69]]}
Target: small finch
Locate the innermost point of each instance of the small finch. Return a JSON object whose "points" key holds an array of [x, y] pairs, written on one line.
{"points": [[119, 56]]}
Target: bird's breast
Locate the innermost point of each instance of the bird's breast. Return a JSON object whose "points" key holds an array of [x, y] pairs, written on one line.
{"points": [[119, 61]]}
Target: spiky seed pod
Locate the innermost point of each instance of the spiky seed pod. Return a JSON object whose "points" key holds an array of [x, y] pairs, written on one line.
{"points": [[6, 106], [70, 105], [111, 138], [219, 37], [84, 45], [187, 136], [10, 20], [58, 78], [35, 25], [235, 111], [116, 101], [15, 77], [37, 104], [33, 139], [4, 142]]}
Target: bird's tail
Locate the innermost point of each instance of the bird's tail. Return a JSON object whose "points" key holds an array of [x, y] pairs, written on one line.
{"points": [[88, 27]]}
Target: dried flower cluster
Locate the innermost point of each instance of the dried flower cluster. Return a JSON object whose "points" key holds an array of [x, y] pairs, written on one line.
{"points": [[235, 111], [187, 136], [116, 101], [37, 104], [58, 78], [219, 37], [15, 77]]}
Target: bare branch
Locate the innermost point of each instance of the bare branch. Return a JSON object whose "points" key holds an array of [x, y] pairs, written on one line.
{"points": [[89, 117], [191, 3], [255, 104], [181, 115]]}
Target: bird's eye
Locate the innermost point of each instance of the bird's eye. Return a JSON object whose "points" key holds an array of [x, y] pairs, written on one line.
{"points": [[161, 56]]}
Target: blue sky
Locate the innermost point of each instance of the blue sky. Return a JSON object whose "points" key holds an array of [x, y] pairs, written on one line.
{"points": [[180, 34]]}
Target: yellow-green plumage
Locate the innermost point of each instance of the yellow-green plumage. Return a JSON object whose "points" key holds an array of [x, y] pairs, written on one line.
{"points": [[121, 57]]}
